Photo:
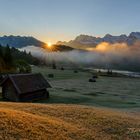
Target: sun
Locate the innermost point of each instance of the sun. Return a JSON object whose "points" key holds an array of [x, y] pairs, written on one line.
{"points": [[49, 44]]}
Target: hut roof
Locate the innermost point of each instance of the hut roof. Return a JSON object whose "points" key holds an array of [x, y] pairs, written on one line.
{"points": [[25, 83]]}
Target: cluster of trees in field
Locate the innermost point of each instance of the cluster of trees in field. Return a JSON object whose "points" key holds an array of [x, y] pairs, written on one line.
{"points": [[13, 60]]}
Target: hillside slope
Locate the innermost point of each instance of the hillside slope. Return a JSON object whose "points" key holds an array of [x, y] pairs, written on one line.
{"points": [[65, 122]]}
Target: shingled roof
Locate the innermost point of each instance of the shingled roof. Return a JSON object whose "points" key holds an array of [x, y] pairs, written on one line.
{"points": [[25, 83]]}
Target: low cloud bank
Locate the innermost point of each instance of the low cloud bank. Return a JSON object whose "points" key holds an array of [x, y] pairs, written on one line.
{"points": [[105, 55]]}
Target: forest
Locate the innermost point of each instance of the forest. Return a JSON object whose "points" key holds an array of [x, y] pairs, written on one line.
{"points": [[15, 61]]}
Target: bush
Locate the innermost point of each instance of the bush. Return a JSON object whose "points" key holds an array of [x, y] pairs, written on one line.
{"points": [[23, 67]]}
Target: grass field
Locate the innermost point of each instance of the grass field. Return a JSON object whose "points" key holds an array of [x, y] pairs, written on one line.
{"points": [[63, 116], [74, 88], [65, 122]]}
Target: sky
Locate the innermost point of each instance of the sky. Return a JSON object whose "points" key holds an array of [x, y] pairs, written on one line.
{"points": [[63, 20]]}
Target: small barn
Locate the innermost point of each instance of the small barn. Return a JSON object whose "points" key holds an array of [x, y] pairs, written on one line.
{"points": [[24, 87]]}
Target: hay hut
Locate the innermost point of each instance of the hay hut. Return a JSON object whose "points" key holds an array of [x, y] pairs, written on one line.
{"points": [[24, 87]]}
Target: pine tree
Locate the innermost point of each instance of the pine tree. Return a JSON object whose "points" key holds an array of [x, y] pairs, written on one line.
{"points": [[2, 64], [8, 57], [53, 65], [1, 52]]}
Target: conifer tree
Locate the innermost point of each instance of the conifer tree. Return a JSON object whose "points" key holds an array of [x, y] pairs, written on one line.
{"points": [[8, 57]]}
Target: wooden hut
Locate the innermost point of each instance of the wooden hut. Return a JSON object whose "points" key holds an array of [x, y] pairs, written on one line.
{"points": [[24, 87]]}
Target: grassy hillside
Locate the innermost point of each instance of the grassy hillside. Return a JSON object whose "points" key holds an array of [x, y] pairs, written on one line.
{"points": [[65, 122]]}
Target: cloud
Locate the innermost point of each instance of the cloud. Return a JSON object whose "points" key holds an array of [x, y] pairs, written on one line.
{"points": [[105, 55]]}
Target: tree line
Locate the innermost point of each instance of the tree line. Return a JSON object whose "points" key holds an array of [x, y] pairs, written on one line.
{"points": [[13, 60]]}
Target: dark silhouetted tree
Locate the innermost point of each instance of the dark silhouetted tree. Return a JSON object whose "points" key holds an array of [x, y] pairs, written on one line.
{"points": [[53, 65], [1, 52], [8, 57]]}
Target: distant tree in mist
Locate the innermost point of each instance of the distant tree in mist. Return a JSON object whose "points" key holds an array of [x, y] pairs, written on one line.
{"points": [[53, 65]]}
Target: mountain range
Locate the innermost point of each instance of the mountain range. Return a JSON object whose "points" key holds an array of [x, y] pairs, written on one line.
{"points": [[80, 42], [20, 41], [86, 41]]}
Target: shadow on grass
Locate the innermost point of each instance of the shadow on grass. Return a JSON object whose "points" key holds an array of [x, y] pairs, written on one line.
{"points": [[65, 100]]}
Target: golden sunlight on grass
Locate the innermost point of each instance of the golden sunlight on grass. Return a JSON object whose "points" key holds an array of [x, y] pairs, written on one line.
{"points": [[65, 122]]}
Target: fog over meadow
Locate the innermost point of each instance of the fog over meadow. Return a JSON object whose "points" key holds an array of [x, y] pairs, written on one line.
{"points": [[105, 55]]}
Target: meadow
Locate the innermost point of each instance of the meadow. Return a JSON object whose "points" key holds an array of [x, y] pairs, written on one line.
{"points": [[76, 109], [73, 88], [65, 122]]}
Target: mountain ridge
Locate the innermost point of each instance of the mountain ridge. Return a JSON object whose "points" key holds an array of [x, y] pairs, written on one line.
{"points": [[84, 41], [81, 42], [20, 41]]}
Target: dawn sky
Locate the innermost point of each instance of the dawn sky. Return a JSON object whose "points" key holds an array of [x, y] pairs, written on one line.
{"points": [[54, 20]]}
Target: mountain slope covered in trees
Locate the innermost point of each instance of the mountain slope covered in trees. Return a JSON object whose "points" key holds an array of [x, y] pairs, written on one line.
{"points": [[11, 59]]}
